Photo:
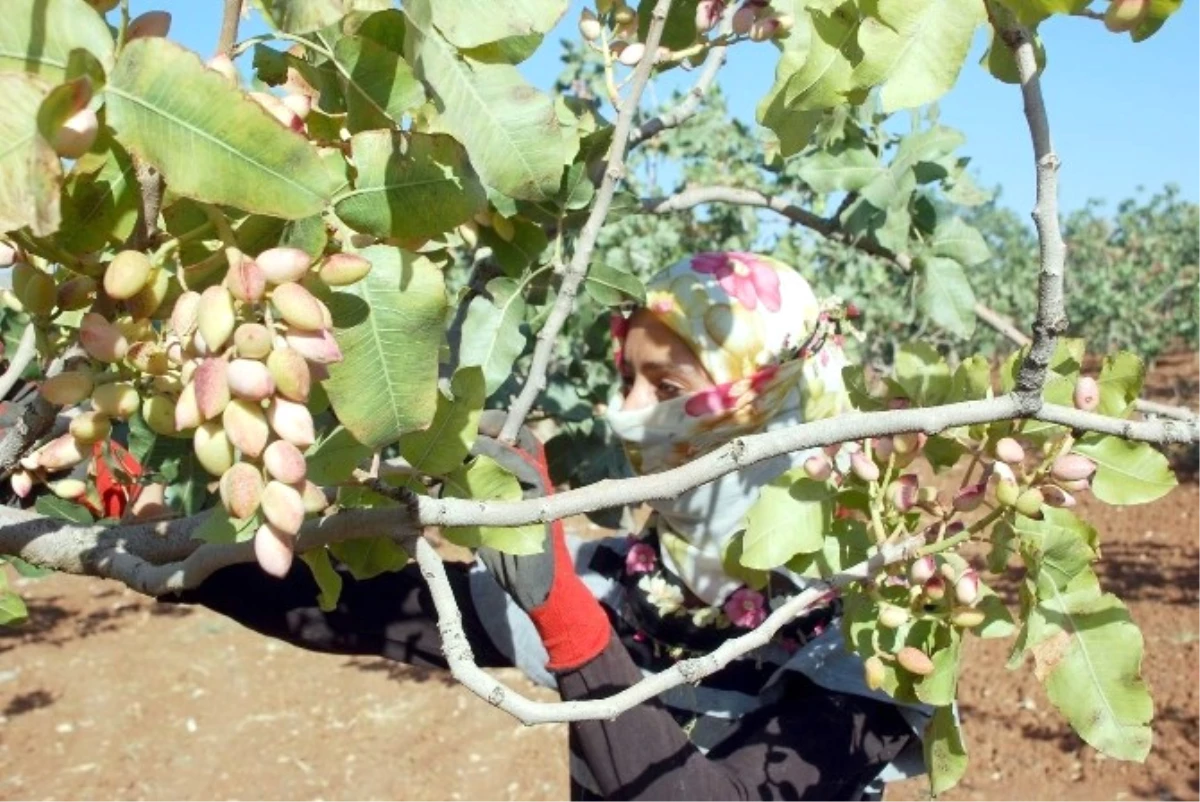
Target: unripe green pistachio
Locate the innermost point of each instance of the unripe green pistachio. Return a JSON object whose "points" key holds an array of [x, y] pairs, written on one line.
{"points": [[159, 413], [344, 269], [91, 427], [127, 274], [67, 388], [118, 400], [213, 448], [252, 340]]}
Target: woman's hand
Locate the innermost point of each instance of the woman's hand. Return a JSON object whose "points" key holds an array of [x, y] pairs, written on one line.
{"points": [[572, 625]]}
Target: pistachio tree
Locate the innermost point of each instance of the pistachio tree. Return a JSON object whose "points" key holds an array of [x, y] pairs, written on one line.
{"points": [[259, 317]]}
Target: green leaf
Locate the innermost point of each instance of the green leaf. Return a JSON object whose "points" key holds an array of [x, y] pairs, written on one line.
{"points": [[369, 557], [209, 140], [1155, 17], [12, 609], [511, 130], [471, 23], [329, 581], [27, 570], [30, 172], [842, 168], [959, 241], [1031, 12], [441, 448], [409, 186], [847, 544], [972, 380], [220, 527], [792, 516], [922, 372], [999, 60], [1126, 473], [379, 86], [1091, 666], [731, 563], [824, 75], [1056, 549], [100, 201], [679, 31], [302, 16], [333, 460], [1120, 381], [612, 287], [485, 480], [939, 687], [491, 334], [946, 296], [945, 751], [389, 327], [63, 510], [38, 36], [998, 622], [916, 48], [1060, 383]]}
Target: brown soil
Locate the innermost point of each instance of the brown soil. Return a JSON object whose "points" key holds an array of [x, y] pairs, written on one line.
{"points": [[106, 695]]}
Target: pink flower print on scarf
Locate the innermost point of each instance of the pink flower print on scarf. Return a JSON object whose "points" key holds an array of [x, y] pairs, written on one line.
{"points": [[640, 559], [727, 396], [746, 608], [742, 276]]}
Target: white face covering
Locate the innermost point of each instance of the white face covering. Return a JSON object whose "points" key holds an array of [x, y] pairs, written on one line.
{"points": [[763, 385]]}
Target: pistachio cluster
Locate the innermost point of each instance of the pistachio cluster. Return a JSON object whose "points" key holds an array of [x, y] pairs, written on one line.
{"points": [[231, 367], [1019, 476]]}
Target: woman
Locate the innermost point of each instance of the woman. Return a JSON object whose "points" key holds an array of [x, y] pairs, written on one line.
{"points": [[727, 344]]}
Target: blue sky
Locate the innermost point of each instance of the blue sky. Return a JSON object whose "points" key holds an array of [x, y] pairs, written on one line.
{"points": [[1121, 115]]}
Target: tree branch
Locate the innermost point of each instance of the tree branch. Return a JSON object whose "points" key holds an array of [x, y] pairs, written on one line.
{"points": [[576, 271], [1001, 324], [26, 350], [1051, 318], [462, 662], [158, 558], [690, 104], [229, 27]]}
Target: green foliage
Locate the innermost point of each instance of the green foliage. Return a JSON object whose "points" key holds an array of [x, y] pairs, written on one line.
{"points": [[407, 137], [388, 326], [216, 144]]}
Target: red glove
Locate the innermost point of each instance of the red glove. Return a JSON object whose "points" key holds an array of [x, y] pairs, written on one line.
{"points": [[572, 624]]}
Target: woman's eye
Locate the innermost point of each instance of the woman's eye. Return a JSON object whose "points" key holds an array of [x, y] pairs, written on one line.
{"points": [[669, 390]]}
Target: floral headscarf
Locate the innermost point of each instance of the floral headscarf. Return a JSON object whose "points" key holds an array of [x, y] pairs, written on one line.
{"points": [[774, 354]]}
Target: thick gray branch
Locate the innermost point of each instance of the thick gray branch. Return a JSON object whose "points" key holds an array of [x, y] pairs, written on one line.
{"points": [[229, 27], [158, 558], [576, 271]]}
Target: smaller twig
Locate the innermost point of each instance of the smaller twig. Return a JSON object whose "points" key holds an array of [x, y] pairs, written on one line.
{"points": [[1164, 410], [687, 107], [576, 271], [1001, 324], [26, 350], [229, 27]]}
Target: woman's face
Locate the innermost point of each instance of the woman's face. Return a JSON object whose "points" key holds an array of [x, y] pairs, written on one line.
{"points": [[657, 365]]}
